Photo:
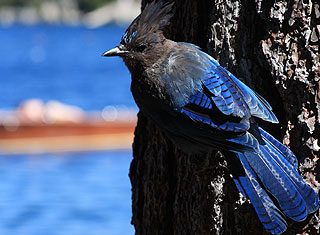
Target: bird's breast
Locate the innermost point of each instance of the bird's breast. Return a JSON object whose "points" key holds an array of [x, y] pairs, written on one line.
{"points": [[149, 95]]}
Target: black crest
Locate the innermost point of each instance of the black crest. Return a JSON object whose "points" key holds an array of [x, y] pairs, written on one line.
{"points": [[154, 17]]}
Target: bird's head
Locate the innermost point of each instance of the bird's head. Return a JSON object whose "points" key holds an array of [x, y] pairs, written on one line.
{"points": [[142, 41]]}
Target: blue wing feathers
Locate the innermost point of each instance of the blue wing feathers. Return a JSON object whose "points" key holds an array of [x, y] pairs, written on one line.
{"points": [[225, 95], [250, 102], [201, 100], [227, 126], [286, 152], [200, 118], [214, 83], [265, 103], [221, 95], [258, 106], [222, 90], [230, 95], [222, 101]]}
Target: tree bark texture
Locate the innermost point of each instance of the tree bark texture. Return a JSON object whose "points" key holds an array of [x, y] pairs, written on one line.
{"points": [[273, 46]]}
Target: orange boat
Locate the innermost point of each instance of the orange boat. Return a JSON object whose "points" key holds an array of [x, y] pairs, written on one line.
{"points": [[92, 131], [66, 137]]}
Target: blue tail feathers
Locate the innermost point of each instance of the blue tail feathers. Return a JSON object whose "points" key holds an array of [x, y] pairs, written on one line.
{"points": [[272, 169], [269, 215]]}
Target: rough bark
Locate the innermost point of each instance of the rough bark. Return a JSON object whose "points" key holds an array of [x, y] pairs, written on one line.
{"points": [[273, 46]]}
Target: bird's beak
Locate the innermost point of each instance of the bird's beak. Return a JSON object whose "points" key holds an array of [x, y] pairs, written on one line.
{"points": [[117, 51]]}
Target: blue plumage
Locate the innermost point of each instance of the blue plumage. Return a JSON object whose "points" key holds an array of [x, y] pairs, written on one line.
{"points": [[269, 215], [201, 106]]}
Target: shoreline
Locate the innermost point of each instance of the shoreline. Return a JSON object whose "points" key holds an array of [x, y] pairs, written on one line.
{"points": [[66, 138], [120, 12], [36, 127]]}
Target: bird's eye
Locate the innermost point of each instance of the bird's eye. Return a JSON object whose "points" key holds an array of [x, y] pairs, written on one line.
{"points": [[141, 48]]}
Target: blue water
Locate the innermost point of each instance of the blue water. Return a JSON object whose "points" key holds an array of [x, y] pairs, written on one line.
{"points": [[71, 193], [64, 64]]}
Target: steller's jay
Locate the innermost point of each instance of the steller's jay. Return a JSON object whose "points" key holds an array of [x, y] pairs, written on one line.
{"points": [[201, 106]]}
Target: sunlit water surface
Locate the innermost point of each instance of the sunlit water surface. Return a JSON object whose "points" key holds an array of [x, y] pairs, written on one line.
{"points": [[65, 194]]}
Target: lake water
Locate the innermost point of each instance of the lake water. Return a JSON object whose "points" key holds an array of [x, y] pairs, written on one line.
{"points": [[72, 193], [66, 194], [64, 64]]}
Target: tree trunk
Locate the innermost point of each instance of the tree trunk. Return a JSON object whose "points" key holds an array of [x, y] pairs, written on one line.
{"points": [[273, 46]]}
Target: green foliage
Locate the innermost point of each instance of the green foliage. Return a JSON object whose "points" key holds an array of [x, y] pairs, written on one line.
{"points": [[89, 5], [19, 3], [84, 5]]}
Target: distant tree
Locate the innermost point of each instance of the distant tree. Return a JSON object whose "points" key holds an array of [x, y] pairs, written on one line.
{"points": [[18, 2], [274, 47], [84, 5], [90, 5]]}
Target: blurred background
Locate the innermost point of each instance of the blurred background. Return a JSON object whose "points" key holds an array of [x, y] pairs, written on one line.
{"points": [[66, 118]]}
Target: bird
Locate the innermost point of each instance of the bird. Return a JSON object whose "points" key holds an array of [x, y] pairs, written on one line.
{"points": [[201, 106]]}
